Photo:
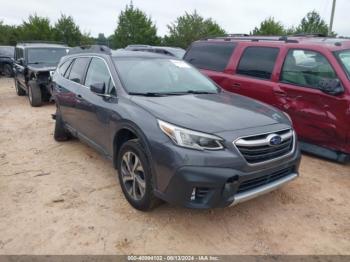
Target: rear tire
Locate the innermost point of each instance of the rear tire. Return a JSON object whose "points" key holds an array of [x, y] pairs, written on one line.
{"points": [[141, 195], [60, 133], [19, 89], [34, 94]]}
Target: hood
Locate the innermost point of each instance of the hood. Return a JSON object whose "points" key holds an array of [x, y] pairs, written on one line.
{"points": [[211, 113], [42, 67]]}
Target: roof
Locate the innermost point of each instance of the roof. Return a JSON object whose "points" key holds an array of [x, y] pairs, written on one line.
{"points": [[328, 42], [41, 45], [139, 54]]}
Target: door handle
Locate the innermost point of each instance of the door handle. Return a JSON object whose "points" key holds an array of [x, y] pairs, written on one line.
{"points": [[236, 85]]}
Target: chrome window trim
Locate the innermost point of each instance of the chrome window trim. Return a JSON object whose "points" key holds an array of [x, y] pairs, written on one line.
{"points": [[270, 160], [91, 56]]}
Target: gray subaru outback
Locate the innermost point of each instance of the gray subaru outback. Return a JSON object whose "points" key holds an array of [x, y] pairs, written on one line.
{"points": [[172, 133]]}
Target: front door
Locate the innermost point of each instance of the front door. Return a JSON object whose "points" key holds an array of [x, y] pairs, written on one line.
{"points": [[98, 108], [316, 115]]}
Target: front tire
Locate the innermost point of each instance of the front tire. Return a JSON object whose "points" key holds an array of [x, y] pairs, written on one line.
{"points": [[19, 89], [135, 176], [34, 94]]}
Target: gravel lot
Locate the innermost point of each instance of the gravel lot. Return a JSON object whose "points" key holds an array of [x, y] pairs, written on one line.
{"points": [[63, 198]]}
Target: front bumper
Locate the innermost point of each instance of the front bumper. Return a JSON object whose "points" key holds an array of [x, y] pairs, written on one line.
{"points": [[211, 187]]}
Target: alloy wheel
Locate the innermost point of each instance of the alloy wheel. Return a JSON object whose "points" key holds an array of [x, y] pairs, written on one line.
{"points": [[133, 175]]}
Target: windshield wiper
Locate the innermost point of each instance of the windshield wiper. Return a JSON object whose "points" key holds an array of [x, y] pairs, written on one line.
{"points": [[35, 63], [147, 94], [198, 92]]}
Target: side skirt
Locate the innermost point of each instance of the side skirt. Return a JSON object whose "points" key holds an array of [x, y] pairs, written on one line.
{"points": [[324, 152]]}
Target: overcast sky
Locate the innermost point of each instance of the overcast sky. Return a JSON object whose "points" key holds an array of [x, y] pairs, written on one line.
{"points": [[235, 16]]}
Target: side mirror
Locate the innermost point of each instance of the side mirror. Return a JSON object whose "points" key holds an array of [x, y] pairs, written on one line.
{"points": [[331, 86], [21, 61], [98, 88]]}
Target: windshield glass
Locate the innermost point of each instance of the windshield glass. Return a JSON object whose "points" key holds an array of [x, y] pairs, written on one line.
{"points": [[7, 51], [45, 55], [156, 75], [344, 58]]}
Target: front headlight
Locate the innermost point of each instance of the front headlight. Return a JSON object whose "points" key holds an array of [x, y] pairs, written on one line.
{"points": [[191, 139]]}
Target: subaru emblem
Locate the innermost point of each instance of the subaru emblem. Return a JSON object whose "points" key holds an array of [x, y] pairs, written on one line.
{"points": [[275, 140]]}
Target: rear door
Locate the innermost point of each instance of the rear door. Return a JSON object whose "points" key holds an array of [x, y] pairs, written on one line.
{"points": [[317, 116], [253, 72], [211, 58], [71, 100]]}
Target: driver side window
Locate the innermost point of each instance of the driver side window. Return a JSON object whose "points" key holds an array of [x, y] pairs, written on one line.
{"points": [[98, 74], [307, 68]]}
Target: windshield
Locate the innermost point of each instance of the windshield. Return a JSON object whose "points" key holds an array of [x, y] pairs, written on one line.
{"points": [[344, 58], [160, 75], [45, 55], [7, 51]]}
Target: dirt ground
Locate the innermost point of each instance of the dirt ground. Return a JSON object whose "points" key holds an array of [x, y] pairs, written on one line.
{"points": [[64, 198]]}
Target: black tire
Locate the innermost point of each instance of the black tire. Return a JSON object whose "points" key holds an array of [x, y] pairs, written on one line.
{"points": [[19, 89], [61, 133], [148, 201], [8, 71], [34, 94]]}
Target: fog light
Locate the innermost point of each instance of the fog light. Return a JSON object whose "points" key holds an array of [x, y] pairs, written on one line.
{"points": [[193, 195]]}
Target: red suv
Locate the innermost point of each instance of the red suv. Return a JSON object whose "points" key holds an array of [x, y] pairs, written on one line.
{"points": [[307, 77]]}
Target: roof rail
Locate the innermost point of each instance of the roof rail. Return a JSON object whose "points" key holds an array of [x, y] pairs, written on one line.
{"points": [[255, 38], [310, 35], [90, 49], [41, 42]]}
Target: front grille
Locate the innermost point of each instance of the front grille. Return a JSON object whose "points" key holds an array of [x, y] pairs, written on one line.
{"points": [[263, 180], [256, 149]]}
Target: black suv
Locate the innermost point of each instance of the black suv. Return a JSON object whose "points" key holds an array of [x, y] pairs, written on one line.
{"points": [[172, 133], [34, 65], [6, 60]]}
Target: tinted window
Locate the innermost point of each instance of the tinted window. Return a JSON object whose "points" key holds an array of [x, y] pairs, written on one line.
{"points": [[7, 51], [98, 73], [63, 68], [306, 68], [344, 58], [19, 53], [258, 62], [78, 69], [211, 56]]}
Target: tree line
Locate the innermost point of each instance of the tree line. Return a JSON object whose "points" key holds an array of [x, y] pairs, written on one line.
{"points": [[135, 27]]}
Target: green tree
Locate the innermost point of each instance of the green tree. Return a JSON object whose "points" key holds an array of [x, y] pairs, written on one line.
{"points": [[101, 39], [191, 27], [36, 28], [67, 31], [134, 27], [312, 23], [8, 34], [269, 27], [86, 39]]}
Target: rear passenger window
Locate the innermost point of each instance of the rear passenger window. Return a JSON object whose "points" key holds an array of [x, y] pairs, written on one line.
{"points": [[210, 56], [78, 69], [258, 62], [63, 68], [306, 68]]}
